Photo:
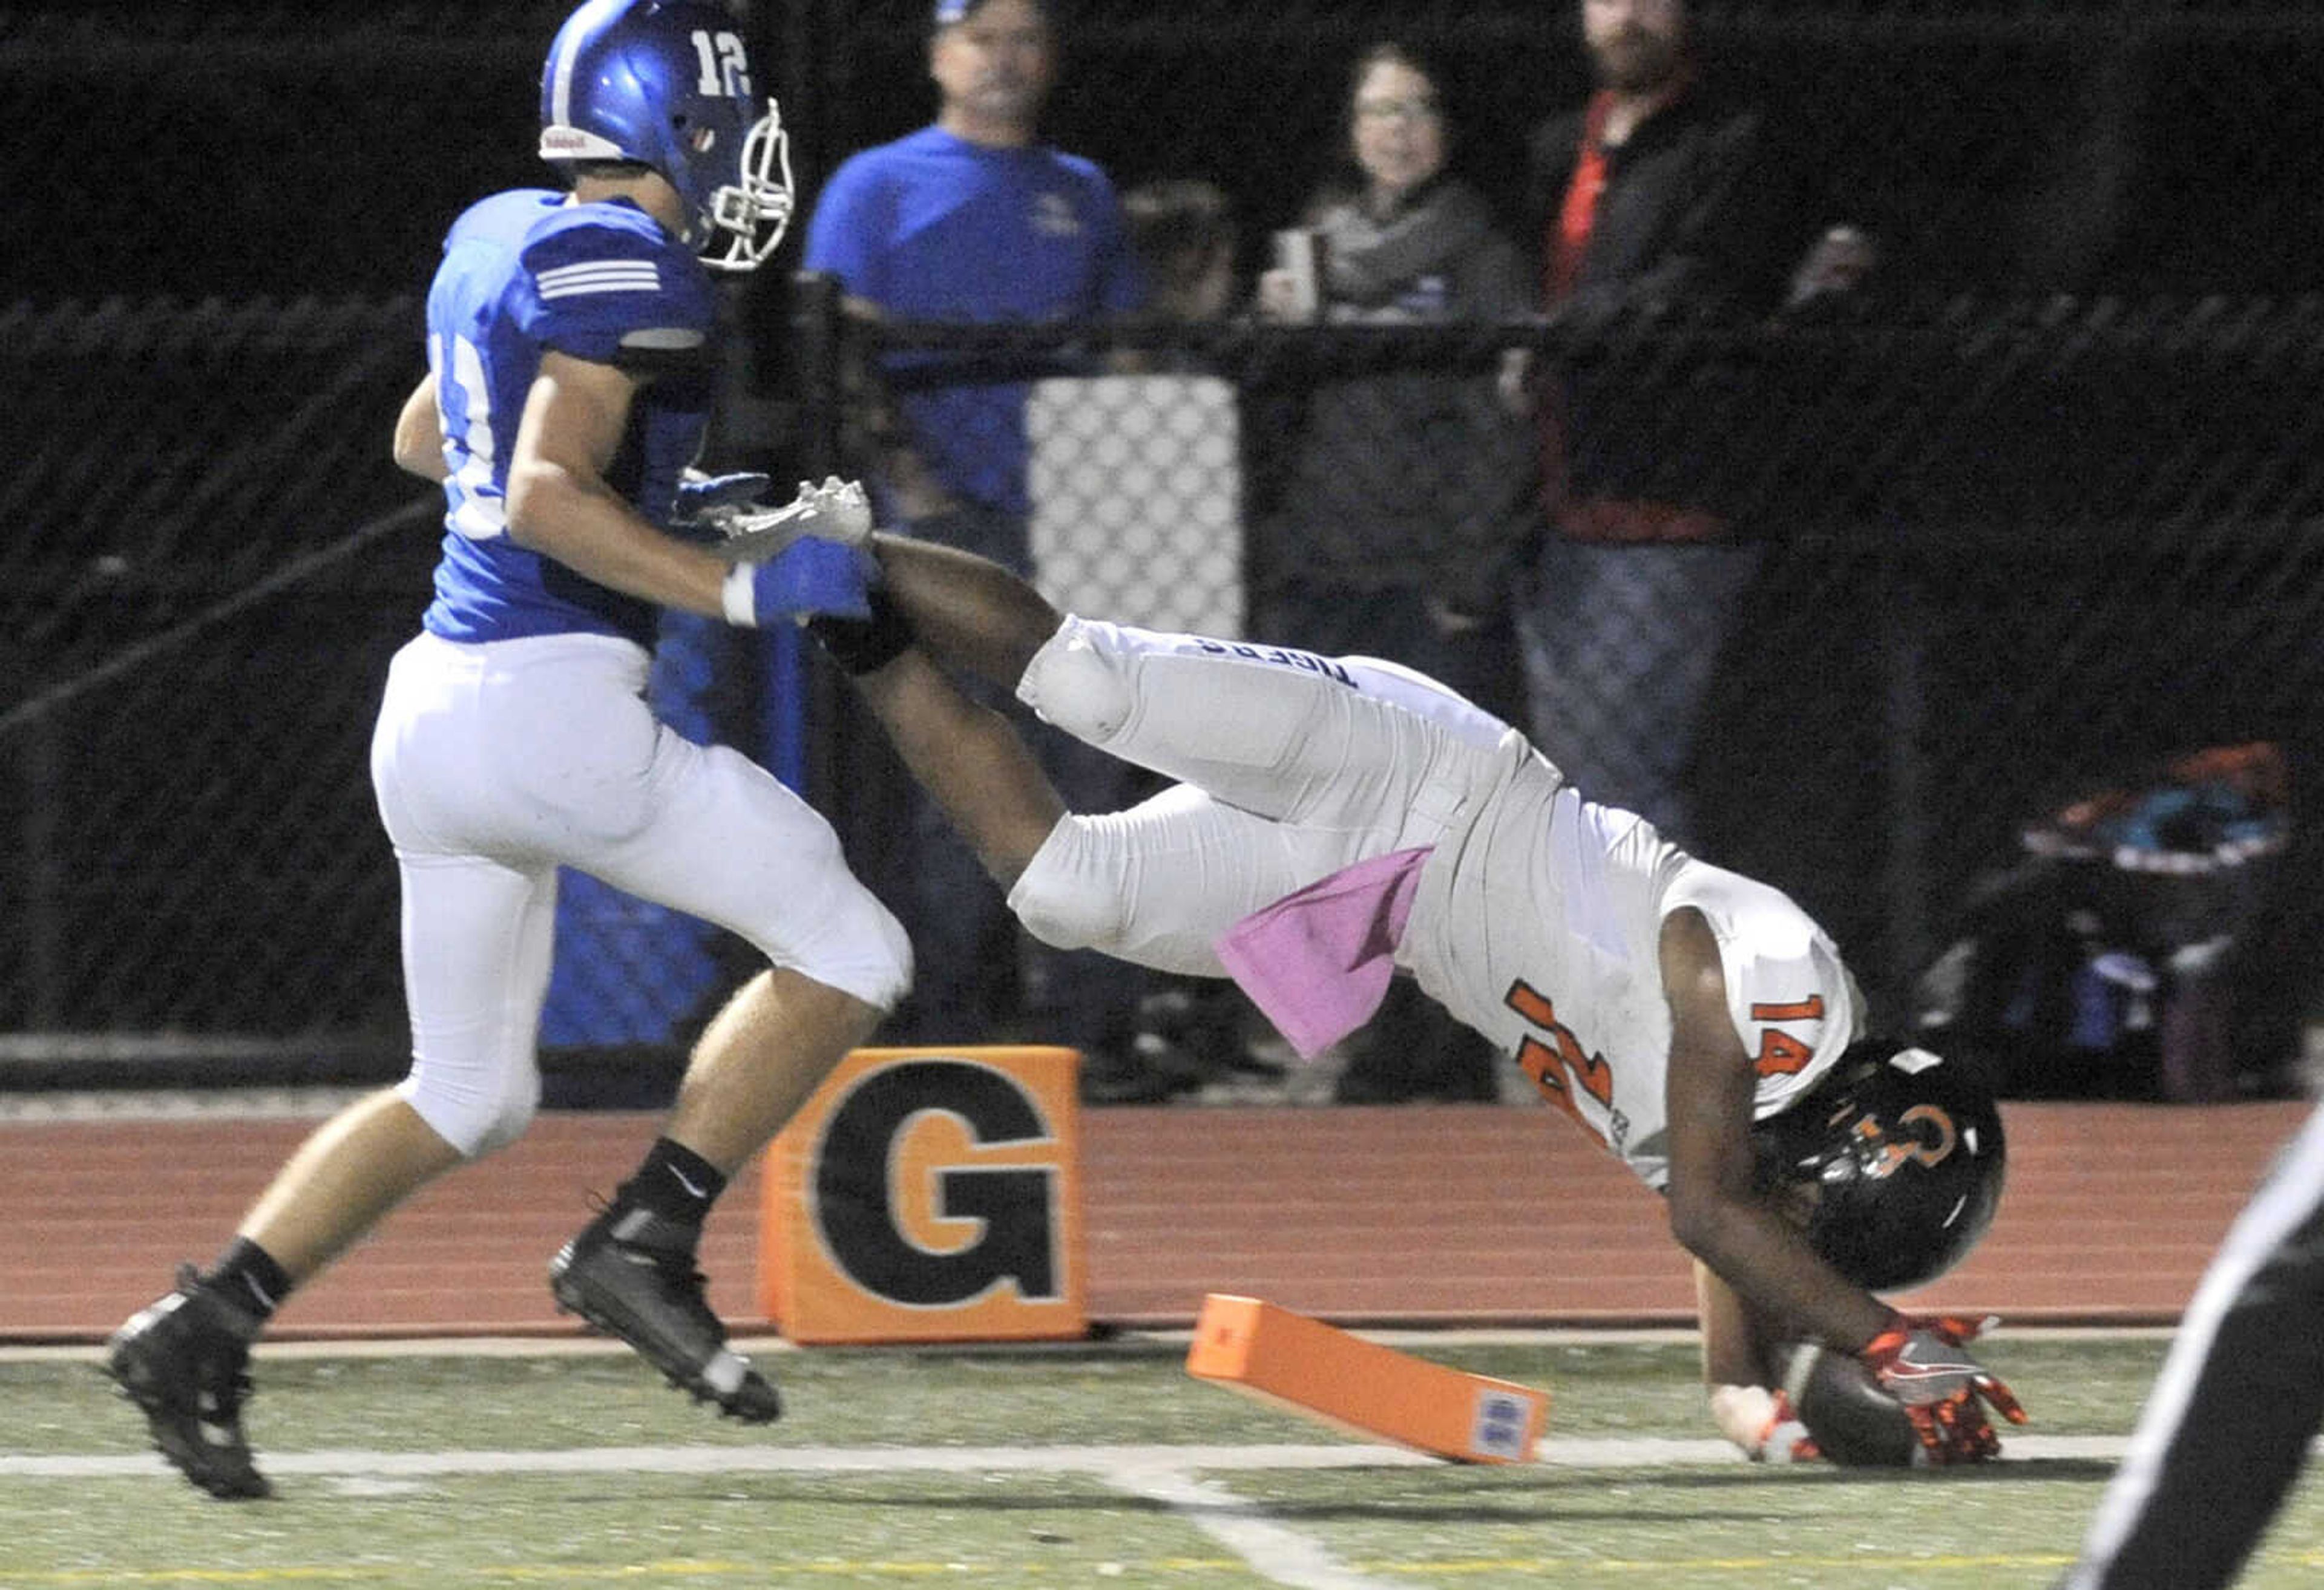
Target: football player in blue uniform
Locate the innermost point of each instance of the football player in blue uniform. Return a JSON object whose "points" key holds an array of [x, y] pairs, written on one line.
{"points": [[568, 391]]}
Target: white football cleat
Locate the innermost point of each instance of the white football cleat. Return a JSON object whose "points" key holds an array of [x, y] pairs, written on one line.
{"points": [[836, 511]]}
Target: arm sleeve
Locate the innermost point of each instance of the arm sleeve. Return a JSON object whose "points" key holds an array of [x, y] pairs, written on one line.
{"points": [[1489, 509]]}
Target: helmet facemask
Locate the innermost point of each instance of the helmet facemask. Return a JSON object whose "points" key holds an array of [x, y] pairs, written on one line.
{"points": [[743, 221]]}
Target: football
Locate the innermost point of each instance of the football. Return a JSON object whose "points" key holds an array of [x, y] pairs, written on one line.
{"points": [[1842, 1403]]}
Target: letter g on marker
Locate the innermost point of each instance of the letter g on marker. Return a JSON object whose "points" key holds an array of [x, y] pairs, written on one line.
{"points": [[869, 1186]]}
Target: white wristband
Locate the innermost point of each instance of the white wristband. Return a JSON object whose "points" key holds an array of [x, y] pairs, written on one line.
{"points": [[738, 597]]}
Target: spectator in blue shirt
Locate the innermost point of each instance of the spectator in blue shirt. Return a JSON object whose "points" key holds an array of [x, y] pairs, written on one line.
{"points": [[973, 219]]}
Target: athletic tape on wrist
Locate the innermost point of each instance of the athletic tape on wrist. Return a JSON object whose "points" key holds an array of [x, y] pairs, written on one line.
{"points": [[739, 597]]}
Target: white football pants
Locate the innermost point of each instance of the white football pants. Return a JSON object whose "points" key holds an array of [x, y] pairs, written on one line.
{"points": [[1293, 766], [495, 764]]}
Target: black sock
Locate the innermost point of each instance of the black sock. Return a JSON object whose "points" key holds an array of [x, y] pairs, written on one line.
{"points": [[248, 1276], [864, 646], [674, 1184]]}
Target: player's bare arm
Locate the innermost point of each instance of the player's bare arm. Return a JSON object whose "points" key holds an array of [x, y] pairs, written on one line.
{"points": [[1733, 1353], [966, 611], [970, 759], [1743, 1380], [559, 503], [1747, 1241], [420, 435], [1716, 1211], [1733, 1374]]}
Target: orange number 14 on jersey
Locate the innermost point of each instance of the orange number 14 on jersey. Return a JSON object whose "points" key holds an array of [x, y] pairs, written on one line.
{"points": [[1559, 1066]]}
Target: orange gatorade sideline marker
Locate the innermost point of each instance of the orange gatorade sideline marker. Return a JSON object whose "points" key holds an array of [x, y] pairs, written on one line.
{"points": [[929, 1194], [1362, 1387]]}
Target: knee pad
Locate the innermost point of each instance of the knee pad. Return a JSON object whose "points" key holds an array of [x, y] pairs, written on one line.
{"points": [[883, 975], [473, 1110], [858, 947], [1059, 899], [1078, 684]]}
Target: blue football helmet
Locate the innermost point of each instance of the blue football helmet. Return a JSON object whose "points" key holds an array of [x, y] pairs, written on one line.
{"points": [[667, 83]]}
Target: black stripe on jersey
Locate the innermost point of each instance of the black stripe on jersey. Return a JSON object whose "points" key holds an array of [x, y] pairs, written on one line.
{"points": [[651, 351]]}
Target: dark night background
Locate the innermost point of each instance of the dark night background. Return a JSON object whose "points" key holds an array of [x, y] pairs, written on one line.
{"points": [[289, 150]]}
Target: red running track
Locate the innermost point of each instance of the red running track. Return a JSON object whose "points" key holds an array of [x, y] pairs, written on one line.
{"points": [[1418, 1214]]}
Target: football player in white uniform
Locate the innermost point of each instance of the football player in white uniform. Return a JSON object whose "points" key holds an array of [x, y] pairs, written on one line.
{"points": [[1340, 818], [567, 391]]}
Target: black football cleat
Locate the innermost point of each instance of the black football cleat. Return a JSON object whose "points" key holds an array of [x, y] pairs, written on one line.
{"points": [[184, 1359], [621, 1281]]}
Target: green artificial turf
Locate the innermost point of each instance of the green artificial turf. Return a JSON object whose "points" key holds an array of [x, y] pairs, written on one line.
{"points": [[1142, 1515]]}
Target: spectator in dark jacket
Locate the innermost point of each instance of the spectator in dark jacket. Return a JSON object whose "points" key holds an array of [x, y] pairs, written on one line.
{"points": [[1658, 196]]}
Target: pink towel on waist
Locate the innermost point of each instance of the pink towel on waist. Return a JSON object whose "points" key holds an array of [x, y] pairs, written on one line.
{"points": [[1318, 960]]}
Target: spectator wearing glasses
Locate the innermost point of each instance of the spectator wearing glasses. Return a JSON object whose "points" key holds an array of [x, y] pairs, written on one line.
{"points": [[1403, 512]]}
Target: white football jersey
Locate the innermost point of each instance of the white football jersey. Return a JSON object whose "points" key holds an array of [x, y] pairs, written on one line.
{"points": [[1538, 924], [1538, 914]]}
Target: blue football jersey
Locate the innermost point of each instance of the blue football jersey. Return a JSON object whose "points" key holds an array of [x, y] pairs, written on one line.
{"points": [[524, 272]]}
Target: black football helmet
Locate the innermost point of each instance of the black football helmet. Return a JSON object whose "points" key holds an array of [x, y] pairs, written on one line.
{"points": [[1903, 1153]]}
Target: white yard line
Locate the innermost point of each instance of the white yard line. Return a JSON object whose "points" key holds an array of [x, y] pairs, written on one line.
{"points": [[744, 1460], [1564, 1451], [1422, 1337], [1275, 1551]]}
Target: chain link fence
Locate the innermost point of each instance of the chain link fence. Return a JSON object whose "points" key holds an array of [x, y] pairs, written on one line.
{"points": [[212, 564], [2017, 544], [2008, 555], [185, 809]]}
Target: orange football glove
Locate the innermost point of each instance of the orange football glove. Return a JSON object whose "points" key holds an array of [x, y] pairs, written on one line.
{"points": [[1925, 1365]]}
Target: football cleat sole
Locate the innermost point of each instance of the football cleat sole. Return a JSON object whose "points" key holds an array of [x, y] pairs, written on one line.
{"points": [[209, 1451], [725, 1379]]}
